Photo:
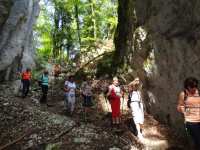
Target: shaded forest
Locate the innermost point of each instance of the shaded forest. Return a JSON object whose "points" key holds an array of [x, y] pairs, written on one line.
{"points": [[157, 41]]}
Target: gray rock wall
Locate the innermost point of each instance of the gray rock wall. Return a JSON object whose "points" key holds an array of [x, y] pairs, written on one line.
{"points": [[17, 18], [174, 27]]}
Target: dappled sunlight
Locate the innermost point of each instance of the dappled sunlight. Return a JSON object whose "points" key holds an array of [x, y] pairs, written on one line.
{"points": [[153, 132], [153, 144], [149, 64], [104, 104], [94, 41], [141, 33], [152, 98], [153, 139]]}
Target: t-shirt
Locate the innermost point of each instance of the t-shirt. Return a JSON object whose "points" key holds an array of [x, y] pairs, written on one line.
{"points": [[116, 89], [192, 109], [86, 89], [71, 86], [135, 96], [26, 75], [45, 79]]}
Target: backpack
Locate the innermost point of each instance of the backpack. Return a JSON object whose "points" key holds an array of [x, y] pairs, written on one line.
{"points": [[129, 100]]}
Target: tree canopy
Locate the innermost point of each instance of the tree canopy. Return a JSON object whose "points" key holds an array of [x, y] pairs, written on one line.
{"points": [[66, 28]]}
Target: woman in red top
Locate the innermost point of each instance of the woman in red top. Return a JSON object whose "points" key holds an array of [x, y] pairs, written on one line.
{"points": [[114, 95], [26, 77]]}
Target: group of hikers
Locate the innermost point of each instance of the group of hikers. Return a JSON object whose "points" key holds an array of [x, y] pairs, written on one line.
{"points": [[113, 94], [188, 101], [43, 82]]}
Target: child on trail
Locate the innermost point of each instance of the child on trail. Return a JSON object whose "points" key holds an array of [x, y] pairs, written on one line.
{"points": [[189, 105], [26, 77], [70, 88], [44, 82], [86, 91], [136, 106], [114, 95]]}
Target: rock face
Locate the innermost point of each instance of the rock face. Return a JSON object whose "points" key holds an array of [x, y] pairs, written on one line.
{"points": [[173, 28], [17, 18]]}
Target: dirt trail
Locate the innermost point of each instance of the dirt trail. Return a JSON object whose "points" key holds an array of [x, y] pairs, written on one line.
{"points": [[93, 132]]}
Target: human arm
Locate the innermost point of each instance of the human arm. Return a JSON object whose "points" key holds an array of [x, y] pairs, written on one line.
{"points": [[66, 89], [109, 91], [180, 105]]}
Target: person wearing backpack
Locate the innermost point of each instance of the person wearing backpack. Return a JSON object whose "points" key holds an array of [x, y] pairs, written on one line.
{"points": [[130, 90], [70, 88], [114, 94], [26, 77], [136, 106], [189, 105], [44, 83]]}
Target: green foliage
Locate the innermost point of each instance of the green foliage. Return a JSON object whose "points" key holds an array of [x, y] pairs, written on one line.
{"points": [[67, 27], [42, 33]]}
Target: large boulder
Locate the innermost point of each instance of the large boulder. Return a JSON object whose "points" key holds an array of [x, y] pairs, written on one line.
{"points": [[164, 51], [174, 27], [17, 18]]}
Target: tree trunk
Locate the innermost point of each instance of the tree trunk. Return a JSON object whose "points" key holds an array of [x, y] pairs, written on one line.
{"points": [[77, 23], [92, 2], [125, 29]]}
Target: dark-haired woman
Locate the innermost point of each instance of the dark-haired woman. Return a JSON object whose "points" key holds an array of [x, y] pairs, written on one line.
{"points": [[189, 105]]}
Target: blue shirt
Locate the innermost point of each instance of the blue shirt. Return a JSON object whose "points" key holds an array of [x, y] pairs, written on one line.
{"points": [[45, 80]]}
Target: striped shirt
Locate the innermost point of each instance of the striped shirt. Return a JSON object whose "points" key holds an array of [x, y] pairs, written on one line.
{"points": [[192, 109]]}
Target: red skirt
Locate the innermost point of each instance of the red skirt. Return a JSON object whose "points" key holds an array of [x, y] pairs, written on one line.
{"points": [[115, 106]]}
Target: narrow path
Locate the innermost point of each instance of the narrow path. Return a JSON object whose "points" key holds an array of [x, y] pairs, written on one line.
{"points": [[95, 132], [156, 135]]}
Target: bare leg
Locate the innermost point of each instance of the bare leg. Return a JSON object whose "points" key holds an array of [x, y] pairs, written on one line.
{"points": [[114, 121], [117, 120], [139, 131]]}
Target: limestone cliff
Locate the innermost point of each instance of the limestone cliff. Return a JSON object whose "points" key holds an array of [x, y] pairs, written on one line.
{"points": [[17, 18], [168, 54]]}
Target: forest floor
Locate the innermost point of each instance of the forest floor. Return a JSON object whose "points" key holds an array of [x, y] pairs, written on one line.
{"points": [[27, 124]]}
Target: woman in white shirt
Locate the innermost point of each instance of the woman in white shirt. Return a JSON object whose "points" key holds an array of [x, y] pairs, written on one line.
{"points": [[70, 88], [136, 106]]}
